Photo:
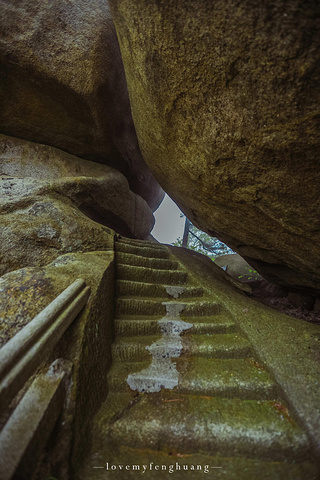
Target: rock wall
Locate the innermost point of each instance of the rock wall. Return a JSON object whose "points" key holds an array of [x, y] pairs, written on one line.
{"points": [[53, 203], [237, 267], [71, 175], [225, 100], [62, 83]]}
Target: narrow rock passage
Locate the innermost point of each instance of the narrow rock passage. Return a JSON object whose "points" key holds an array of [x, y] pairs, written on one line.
{"points": [[185, 388]]}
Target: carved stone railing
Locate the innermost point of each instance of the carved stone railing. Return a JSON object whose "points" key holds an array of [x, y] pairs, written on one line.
{"points": [[34, 417]]}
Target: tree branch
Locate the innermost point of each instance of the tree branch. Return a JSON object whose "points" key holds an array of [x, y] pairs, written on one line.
{"points": [[205, 245]]}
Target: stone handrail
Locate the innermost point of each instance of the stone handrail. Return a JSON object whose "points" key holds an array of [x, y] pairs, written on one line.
{"points": [[32, 421], [29, 426], [21, 355]]}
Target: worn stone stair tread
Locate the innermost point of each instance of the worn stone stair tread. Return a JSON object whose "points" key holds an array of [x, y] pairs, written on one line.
{"points": [[214, 324], [186, 467], [129, 288], [141, 261], [169, 277], [224, 318], [132, 348], [150, 306], [190, 301], [149, 325], [143, 251], [137, 326], [226, 345], [211, 424], [142, 243], [240, 378]]}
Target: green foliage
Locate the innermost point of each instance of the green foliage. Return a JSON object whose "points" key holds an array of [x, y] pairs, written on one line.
{"points": [[254, 275], [201, 242]]}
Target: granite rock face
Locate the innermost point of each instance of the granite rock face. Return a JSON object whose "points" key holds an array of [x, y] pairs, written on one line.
{"points": [[225, 100], [62, 83], [53, 203], [237, 267]]}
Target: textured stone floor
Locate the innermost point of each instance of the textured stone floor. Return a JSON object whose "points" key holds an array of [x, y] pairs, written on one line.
{"points": [[187, 394]]}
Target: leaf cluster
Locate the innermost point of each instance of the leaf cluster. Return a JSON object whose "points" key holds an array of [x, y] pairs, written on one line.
{"points": [[201, 242]]}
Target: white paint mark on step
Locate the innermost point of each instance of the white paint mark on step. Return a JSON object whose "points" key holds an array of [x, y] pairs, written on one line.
{"points": [[174, 291], [162, 373], [173, 309]]}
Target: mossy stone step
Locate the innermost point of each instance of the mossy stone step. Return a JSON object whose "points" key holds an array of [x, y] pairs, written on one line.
{"points": [[151, 275], [240, 378], [221, 323], [133, 259], [141, 306], [234, 427], [141, 243], [136, 325], [143, 251], [141, 289], [231, 345], [228, 345], [201, 308]]}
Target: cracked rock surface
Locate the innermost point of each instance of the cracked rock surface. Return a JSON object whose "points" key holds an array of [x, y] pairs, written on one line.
{"points": [[225, 100]]}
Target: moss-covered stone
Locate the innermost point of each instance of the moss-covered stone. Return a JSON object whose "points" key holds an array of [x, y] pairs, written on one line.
{"points": [[35, 234], [52, 203], [225, 100], [87, 342], [237, 267], [287, 346], [212, 424], [227, 406]]}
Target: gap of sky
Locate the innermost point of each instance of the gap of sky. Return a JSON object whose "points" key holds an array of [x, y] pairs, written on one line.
{"points": [[169, 226]]}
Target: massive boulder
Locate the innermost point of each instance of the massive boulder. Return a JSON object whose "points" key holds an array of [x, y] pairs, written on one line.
{"points": [[62, 83], [53, 203], [225, 101]]}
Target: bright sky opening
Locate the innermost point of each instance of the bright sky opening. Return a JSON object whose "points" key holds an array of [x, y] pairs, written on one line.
{"points": [[169, 226]]}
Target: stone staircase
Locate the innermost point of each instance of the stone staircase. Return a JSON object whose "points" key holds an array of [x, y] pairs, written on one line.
{"points": [[186, 391]]}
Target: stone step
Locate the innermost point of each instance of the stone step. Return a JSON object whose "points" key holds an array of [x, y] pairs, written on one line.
{"points": [[241, 378], [151, 275], [193, 466], [133, 259], [186, 423], [141, 243], [133, 306], [227, 345], [135, 325], [128, 288], [142, 251]]}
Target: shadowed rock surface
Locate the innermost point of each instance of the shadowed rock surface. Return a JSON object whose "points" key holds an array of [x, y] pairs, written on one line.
{"points": [[62, 83], [52, 203], [225, 100], [237, 267]]}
